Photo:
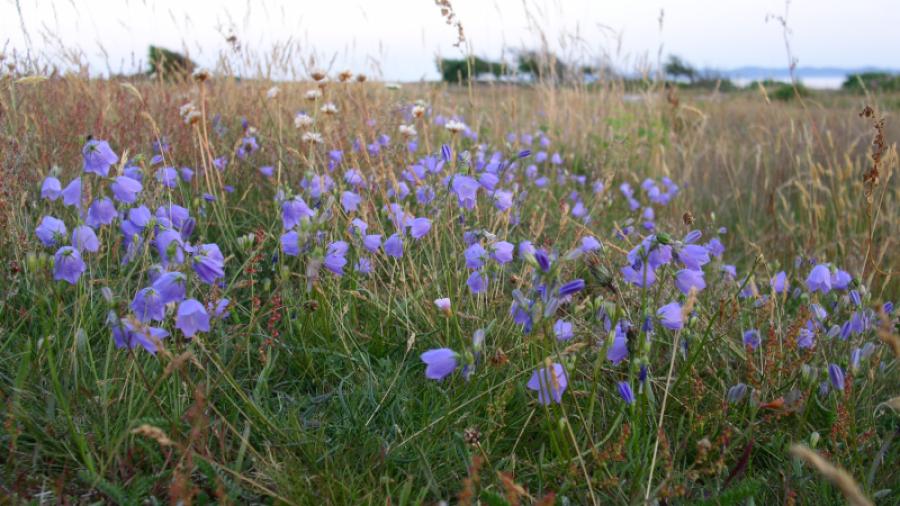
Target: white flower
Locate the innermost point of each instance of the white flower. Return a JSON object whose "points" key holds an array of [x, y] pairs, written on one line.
{"points": [[408, 130], [455, 126], [272, 93], [329, 108], [303, 120], [313, 94], [418, 110], [312, 138]]}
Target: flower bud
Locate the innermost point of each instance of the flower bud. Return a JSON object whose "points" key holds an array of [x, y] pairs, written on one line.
{"points": [[663, 238], [80, 339]]}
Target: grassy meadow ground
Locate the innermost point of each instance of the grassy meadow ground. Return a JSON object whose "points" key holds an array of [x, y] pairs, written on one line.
{"points": [[309, 387]]}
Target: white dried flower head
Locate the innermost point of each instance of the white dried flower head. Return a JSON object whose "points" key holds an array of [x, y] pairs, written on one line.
{"points": [[329, 108], [189, 113], [272, 93], [312, 138], [303, 120], [186, 108], [313, 94], [455, 126], [345, 76], [408, 130], [418, 110]]}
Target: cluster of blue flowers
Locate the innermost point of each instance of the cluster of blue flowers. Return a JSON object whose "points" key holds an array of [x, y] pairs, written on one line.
{"points": [[169, 230], [456, 189]]}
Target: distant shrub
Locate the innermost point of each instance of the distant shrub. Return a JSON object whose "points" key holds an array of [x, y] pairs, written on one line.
{"points": [[765, 83], [786, 91], [721, 84], [872, 81], [458, 71], [168, 64]]}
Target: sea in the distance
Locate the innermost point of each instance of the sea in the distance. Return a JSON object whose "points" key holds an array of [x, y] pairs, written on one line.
{"points": [[817, 82]]}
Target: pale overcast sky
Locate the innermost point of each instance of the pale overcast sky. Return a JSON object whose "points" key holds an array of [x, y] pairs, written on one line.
{"points": [[404, 36]]}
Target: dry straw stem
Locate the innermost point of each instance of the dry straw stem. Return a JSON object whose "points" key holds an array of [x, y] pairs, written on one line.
{"points": [[839, 477]]}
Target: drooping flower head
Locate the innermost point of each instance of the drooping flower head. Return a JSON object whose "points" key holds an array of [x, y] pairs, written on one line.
{"points": [[170, 286], [693, 256], [549, 383], [502, 252], [68, 265], [590, 243], [736, 393], [51, 188], [290, 243], [751, 338], [418, 227], [563, 330], [474, 255], [477, 282], [51, 231], [293, 211], [372, 242], [618, 349], [167, 176], [840, 279], [84, 239], [125, 189], [439, 363], [779, 282], [101, 212], [670, 316], [393, 246], [350, 201], [71, 194], [335, 257], [643, 277], [148, 305], [98, 157], [127, 333], [466, 190], [687, 279], [208, 263], [192, 318], [819, 279]]}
